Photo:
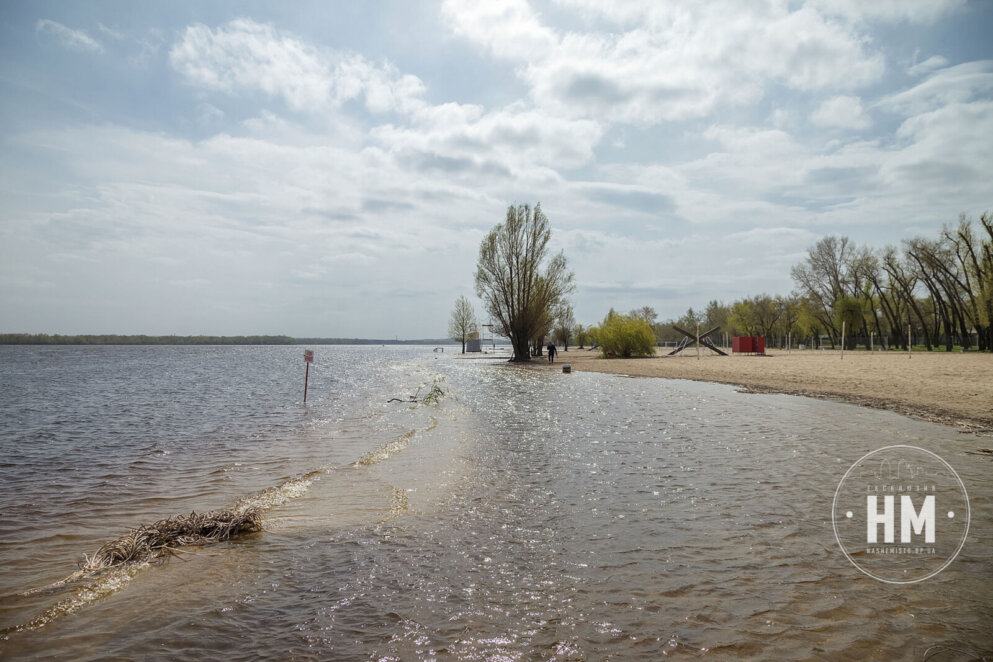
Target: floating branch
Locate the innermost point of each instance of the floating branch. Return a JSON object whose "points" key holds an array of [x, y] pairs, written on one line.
{"points": [[432, 398]]}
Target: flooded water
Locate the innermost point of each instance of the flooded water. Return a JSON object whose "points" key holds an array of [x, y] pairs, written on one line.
{"points": [[525, 514]]}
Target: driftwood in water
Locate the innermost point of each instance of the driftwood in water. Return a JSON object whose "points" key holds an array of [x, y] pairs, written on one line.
{"points": [[432, 397], [151, 541]]}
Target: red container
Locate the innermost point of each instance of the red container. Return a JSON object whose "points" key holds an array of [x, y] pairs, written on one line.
{"points": [[748, 345]]}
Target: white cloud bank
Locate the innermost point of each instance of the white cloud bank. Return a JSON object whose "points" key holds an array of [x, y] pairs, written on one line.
{"points": [[668, 62], [246, 55]]}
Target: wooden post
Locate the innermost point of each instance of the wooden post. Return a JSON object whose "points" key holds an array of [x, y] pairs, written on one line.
{"points": [[697, 342], [789, 343], [871, 336], [308, 358], [909, 343], [842, 339]]}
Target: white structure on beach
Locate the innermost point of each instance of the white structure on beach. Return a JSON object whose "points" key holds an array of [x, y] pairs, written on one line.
{"points": [[473, 343]]}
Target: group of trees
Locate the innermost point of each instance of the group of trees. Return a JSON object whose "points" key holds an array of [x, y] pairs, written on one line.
{"points": [[942, 288], [939, 289]]}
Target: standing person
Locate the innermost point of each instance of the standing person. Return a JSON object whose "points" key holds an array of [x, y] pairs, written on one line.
{"points": [[551, 352]]}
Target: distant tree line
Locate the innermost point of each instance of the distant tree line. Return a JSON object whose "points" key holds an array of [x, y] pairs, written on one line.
{"points": [[56, 339], [940, 288]]}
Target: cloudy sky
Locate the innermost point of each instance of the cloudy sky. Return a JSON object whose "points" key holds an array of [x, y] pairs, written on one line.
{"points": [[329, 168]]}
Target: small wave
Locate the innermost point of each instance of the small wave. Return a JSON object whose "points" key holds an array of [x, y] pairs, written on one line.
{"points": [[272, 497], [85, 594], [386, 451], [118, 561]]}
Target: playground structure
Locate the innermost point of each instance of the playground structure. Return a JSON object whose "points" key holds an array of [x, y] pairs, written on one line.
{"points": [[487, 336], [697, 339], [739, 344]]}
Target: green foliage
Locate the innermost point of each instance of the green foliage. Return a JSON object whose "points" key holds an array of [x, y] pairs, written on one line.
{"points": [[625, 336], [716, 314], [689, 320], [581, 335], [848, 310], [436, 393]]}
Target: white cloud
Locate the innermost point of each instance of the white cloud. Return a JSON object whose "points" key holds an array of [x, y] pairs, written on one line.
{"points": [[74, 40], [928, 65], [464, 138], [116, 35], [956, 84], [245, 55], [946, 152], [509, 29], [667, 62], [843, 112], [242, 213]]}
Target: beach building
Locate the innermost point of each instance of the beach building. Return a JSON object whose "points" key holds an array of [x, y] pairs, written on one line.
{"points": [[473, 344]]}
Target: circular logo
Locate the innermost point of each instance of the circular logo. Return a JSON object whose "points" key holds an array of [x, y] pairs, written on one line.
{"points": [[901, 514]]}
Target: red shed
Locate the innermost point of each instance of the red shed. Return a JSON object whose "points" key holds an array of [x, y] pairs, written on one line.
{"points": [[748, 345]]}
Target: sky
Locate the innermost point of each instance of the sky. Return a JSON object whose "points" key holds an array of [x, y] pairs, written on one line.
{"points": [[330, 168]]}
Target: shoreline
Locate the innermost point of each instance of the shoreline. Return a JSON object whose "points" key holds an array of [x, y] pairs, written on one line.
{"points": [[951, 389]]}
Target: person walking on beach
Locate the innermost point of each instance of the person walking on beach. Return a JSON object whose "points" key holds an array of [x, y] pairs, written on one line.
{"points": [[551, 352]]}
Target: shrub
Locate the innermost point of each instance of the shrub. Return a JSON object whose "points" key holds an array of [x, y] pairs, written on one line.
{"points": [[622, 335]]}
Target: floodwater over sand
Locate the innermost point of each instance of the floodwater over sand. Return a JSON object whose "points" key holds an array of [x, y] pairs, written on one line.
{"points": [[526, 514]]}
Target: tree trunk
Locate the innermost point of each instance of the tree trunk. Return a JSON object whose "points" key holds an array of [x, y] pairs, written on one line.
{"points": [[522, 347]]}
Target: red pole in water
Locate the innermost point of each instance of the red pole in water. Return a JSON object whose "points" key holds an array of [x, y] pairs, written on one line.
{"points": [[308, 357]]}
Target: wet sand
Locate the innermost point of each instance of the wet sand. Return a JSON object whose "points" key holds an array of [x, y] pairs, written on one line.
{"points": [[950, 388]]}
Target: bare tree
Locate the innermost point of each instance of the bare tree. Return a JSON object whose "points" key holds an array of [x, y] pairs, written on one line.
{"points": [[825, 276], [463, 322], [564, 325], [517, 289]]}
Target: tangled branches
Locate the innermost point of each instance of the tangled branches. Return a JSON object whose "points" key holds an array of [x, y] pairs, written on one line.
{"points": [[149, 542]]}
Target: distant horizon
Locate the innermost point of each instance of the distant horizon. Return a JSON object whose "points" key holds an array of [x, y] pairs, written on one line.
{"points": [[226, 339]]}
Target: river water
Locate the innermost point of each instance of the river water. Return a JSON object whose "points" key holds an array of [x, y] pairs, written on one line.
{"points": [[525, 514]]}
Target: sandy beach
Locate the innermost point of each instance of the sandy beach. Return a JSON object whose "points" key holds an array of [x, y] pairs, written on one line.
{"points": [[956, 389]]}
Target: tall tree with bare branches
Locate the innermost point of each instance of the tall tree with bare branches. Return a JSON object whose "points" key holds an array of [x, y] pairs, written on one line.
{"points": [[518, 286]]}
